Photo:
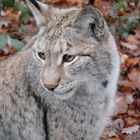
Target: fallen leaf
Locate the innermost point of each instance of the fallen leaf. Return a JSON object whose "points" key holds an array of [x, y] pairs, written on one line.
{"points": [[132, 39], [129, 62], [134, 75], [131, 130], [125, 90], [117, 126], [129, 46], [121, 105], [137, 33], [133, 113], [123, 57], [135, 136], [130, 121], [115, 138], [127, 86]]}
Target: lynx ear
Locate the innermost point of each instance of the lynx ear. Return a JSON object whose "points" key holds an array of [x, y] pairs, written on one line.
{"points": [[91, 2], [43, 7], [90, 21], [37, 9]]}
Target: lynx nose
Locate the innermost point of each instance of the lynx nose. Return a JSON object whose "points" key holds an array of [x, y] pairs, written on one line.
{"points": [[51, 78], [52, 83], [51, 87]]}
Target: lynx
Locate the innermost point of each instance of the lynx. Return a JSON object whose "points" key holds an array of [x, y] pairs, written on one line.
{"points": [[62, 85]]}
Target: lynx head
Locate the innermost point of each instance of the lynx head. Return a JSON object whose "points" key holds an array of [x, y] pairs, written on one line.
{"points": [[71, 48]]}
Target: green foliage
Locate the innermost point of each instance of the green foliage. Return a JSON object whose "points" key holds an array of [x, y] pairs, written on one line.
{"points": [[1, 6], [18, 45], [132, 23], [25, 12], [25, 15], [123, 22], [18, 6], [24, 18], [24, 31], [3, 41], [8, 3], [118, 7]]}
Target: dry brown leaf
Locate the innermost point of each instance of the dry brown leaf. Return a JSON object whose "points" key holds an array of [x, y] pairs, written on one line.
{"points": [[115, 138], [65, 3], [133, 113], [132, 39], [137, 34], [123, 57], [131, 121], [129, 62], [14, 16], [116, 127], [105, 134], [121, 105], [135, 136], [129, 46], [127, 86], [126, 90], [134, 75], [131, 130]]}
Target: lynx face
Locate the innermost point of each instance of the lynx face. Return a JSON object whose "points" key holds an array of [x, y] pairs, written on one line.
{"points": [[71, 49]]}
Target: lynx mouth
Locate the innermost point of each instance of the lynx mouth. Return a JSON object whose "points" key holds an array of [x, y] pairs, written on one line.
{"points": [[66, 92], [65, 95]]}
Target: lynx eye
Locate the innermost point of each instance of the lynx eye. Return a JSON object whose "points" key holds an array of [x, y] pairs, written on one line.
{"points": [[41, 55], [68, 58]]}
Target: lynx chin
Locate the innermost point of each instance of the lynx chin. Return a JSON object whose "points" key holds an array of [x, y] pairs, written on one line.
{"points": [[62, 85]]}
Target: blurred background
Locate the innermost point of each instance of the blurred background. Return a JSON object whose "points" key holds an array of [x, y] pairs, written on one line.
{"points": [[17, 26]]}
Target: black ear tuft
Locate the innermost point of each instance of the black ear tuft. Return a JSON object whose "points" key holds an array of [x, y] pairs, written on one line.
{"points": [[92, 25], [35, 4], [91, 2]]}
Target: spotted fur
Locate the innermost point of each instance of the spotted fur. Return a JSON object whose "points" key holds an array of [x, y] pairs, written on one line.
{"points": [[45, 98]]}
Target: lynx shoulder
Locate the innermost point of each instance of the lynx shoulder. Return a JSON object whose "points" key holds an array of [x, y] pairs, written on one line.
{"points": [[62, 85]]}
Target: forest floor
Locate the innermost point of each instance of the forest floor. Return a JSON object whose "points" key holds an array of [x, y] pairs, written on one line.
{"points": [[17, 26]]}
